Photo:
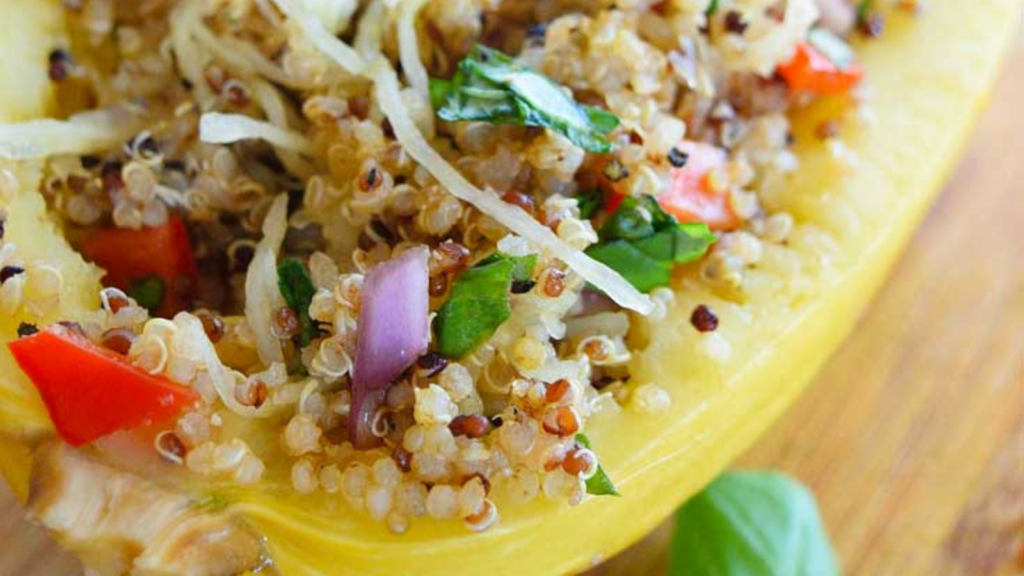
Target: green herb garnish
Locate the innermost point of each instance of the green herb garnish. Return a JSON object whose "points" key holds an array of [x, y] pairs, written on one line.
{"points": [[298, 290], [751, 524], [479, 303], [863, 8], [643, 243], [712, 8], [490, 86], [148, 292], [590, 203], [599, 484]]}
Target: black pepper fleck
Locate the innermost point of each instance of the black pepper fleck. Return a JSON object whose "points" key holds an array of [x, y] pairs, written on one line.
{"points": [[89, 161], [431, 364], [537, 31], [734, 22], [522, 286], [704, 319], [678, 158], [60, 64], [26, 329]]}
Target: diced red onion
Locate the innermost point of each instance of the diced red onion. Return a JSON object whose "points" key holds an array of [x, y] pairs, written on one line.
{"points": [[391, 336]]}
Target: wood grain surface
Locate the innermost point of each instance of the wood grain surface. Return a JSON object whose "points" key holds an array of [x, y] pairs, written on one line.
{"points": [[913, 435]]}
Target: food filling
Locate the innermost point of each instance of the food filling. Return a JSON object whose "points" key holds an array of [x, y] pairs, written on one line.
{"points": [[398, 252]]}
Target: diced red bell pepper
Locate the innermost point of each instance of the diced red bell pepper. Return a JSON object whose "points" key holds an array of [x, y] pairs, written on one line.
{"points": [[90, 391], [134, 255], [811, 71], [690, 199]]}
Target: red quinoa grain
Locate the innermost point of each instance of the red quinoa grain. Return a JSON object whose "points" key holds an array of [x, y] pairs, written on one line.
{"points": [[704, 319], [119, 340]]}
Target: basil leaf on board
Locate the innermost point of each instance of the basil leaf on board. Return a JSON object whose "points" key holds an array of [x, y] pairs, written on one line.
{"points": [[479, 303], [298, 290], [751, 524], [599, 484], [642, 243], [493, 87], [148, 292]]}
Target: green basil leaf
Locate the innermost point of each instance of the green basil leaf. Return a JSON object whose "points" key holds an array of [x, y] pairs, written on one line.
{"points": [[639, 269], [148, 291], [478, 304], [298, 290], [642, 243], [863, 9], [599, 484], [751, 524], [522, 268], [679, 244], [493, 87], [630, 222], [590, 203], [712, 8]]}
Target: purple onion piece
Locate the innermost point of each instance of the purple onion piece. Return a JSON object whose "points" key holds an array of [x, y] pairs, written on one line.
{"points": [[392, 334]]}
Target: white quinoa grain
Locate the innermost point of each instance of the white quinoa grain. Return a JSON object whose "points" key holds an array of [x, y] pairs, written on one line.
{"points": [[651, 399], [471, 497], [355, 481], [456, 381], [411, 499], [397, 523], [378, 501], [330, 478], [302, 435], [434, 406], [386, 472], [442, 502], [305, 476]]}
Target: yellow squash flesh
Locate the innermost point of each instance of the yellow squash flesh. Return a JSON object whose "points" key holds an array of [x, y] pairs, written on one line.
{"points": [[928, 78]]}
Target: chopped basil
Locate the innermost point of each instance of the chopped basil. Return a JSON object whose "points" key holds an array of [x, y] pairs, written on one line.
{"points": [[298, 290], [863, 8], [751, 524], [590, 203], [490, 86], [643, 243], [522, 269], [148, 292], [479, 303], [599, 484]]}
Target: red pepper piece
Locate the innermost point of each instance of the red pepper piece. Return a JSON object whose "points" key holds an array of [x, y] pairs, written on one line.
{"points": [[90, 391], [690, 199], [811, 71], [132, 255]]}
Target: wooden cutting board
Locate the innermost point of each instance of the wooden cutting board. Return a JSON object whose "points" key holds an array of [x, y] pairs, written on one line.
{"points": [[913, 435]]}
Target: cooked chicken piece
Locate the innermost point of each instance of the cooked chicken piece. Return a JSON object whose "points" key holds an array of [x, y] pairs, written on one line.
{"points": [[122, 525]]}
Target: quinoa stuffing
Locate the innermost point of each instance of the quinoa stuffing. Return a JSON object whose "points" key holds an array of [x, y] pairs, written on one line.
{"points": [[422, 284]]}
